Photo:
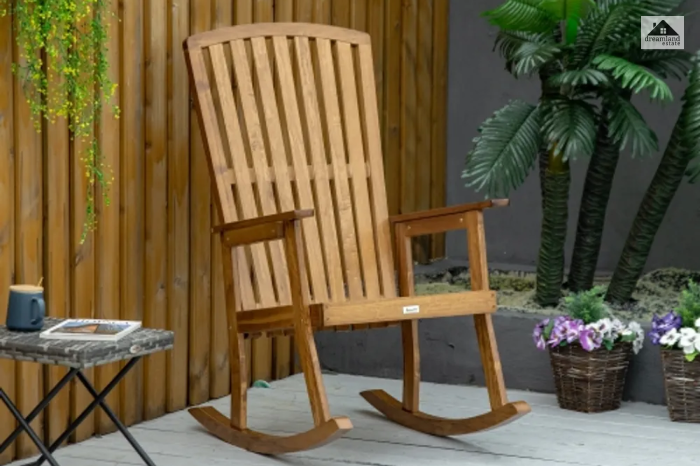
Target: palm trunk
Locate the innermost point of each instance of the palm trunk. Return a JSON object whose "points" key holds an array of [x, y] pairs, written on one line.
{"points": [[651, 213], [550, 264], [594, 204]]}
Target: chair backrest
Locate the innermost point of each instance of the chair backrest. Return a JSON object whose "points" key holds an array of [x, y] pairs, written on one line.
{"points": [[289, 118]]}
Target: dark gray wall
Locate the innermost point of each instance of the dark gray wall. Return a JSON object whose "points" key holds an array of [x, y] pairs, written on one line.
{"points": [[478, 85]]}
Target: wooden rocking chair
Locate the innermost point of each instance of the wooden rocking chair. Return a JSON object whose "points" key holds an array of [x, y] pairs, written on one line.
{"points": [[289, 119]]}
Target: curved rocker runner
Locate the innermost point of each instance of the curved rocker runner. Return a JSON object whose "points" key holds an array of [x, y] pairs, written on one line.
{"points": [[305, 232]]}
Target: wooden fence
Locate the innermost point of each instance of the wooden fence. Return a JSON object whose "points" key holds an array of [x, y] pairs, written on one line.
{"points": [[153, 257]]}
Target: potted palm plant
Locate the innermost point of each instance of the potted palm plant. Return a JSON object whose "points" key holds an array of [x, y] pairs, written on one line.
{"points": [[590, 351], [678, 334]]}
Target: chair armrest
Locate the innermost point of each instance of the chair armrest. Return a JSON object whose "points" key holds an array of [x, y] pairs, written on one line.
{"points": [[255, 230], [442, 211]]}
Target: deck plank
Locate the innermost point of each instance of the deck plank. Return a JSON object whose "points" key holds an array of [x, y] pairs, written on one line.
{"points": [[637, 434]]}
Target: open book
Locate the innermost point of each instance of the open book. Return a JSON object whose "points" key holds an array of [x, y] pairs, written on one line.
{"points": [[91, 330]]}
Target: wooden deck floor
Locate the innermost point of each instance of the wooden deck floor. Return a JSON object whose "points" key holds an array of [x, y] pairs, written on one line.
{"points": [[637, 434]]}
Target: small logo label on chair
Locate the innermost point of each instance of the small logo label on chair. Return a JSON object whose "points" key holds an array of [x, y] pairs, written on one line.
{"points": [[415, 309]]}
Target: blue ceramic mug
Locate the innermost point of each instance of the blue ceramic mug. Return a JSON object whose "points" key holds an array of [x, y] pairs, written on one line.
{"points": [[26, 308]]}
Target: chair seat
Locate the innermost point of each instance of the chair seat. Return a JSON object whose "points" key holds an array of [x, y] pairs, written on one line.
{"points": [[363, 312]]}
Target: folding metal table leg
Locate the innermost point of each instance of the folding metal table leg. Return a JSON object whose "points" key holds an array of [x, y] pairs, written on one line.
{"points": [[122, 428], [40, 407], [28, 429], [91, 407]]}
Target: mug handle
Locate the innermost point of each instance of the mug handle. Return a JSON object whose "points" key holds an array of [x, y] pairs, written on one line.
{"points": [[38, 311]]}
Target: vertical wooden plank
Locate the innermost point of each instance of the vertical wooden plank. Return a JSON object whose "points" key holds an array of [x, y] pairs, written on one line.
{"points": [[82, 275], [392, 104], [438, 150], [200, 254], [7, 211], [243, 11], [303, 10], [282, 345], [132, 194], [321, 11], [375, 28], [57, 278], [409, 35], [263, 11], [108, 301], [156, 179], [284, 10], [341, 13], [358, 15], [263, 348], [28, 243], [220, 373], [178, 207], [423, 119]]}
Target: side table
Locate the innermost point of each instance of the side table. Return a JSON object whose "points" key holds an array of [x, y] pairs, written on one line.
{"points": [[77, 356]]}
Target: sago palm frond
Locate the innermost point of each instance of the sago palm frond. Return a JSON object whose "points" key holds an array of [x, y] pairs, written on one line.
{"points": [[659, 7], [521, 15], [633, 77], [508, 42], [569, 127], [531, 56], [691, 121], [665, 63], [570, 13], [505, 149], [605, 27], [583, 77], [626, 126]]}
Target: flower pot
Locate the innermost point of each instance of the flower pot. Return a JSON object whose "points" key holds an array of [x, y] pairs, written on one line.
{"points": [[590, 382], [682, 384]]}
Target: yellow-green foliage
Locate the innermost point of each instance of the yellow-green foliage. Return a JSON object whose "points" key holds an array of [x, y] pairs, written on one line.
{"points": [[64, 42]]}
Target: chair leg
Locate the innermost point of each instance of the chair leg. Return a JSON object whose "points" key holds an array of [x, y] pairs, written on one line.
{"points": [[234, 430], [408, 413]]}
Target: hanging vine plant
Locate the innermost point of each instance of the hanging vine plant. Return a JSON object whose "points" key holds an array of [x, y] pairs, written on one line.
{"points": [[65, 42]]}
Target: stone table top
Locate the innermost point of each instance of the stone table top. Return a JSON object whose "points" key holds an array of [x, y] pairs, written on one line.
{"points": [[29, 346]]}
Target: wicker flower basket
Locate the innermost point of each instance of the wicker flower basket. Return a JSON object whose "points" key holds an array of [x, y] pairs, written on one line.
{"points": [[682, 383], [590, 382]]}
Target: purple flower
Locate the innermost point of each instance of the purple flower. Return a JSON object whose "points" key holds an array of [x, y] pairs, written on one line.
{"points": [[590, 337], [662, 325], [572, 330], [538, 334]]}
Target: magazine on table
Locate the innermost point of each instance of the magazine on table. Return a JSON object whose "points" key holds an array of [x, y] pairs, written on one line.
{"points": [[91, 329]]}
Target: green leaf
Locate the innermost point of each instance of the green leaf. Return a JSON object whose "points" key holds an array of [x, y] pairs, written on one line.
{"points": [[605, 28], [691, 121], [505, 150], [531, 56], [521, 15], [570, 12], [691, 357], [583, 77], [627, 126], [633, 77], [547, 331], [508, 42], [665, 63], [569, 127]]}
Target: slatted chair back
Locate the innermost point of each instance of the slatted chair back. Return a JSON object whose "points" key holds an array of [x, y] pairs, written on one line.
{"points": [[289, 119]]}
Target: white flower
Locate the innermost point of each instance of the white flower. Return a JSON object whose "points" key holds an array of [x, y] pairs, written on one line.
{"points": [[689, 341], [605, 327], [697, 323], [670, 338]]}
